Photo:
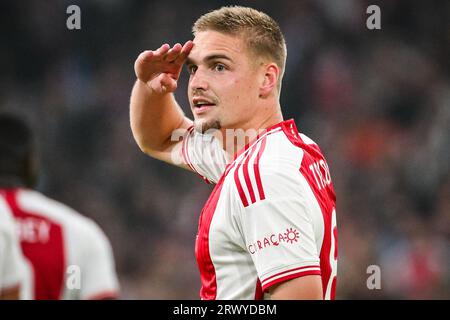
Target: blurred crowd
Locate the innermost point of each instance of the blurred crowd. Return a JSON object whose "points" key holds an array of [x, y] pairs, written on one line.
{"points": [[376, 101]]}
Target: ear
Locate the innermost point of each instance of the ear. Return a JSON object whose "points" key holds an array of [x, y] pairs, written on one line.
{"points": [[270, 79]]}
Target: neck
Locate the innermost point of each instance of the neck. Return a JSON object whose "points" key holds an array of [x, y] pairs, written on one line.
{"points": [[235, 139]]}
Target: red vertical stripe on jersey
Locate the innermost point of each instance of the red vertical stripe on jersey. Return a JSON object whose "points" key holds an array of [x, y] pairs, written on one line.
{"points": [[325, 197], [333, 289], [239, 186], [326, 200], [257, 173], [205, 264], [259, 294], [47, 258], [247, 177], [244, 163]]}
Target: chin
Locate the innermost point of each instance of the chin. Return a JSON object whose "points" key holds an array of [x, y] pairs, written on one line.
{"points": [[203, 125]]}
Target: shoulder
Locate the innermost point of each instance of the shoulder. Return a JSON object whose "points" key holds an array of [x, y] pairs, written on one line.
{"points": [[6, 220], [268, 169], [57, 212]]}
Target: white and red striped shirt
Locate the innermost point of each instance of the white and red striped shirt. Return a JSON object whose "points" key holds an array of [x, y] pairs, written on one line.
{"points": [[11, 260], [270, 218], [68, 255]]}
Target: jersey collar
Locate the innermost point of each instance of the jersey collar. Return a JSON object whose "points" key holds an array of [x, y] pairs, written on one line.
{"points": [[288, 126]]}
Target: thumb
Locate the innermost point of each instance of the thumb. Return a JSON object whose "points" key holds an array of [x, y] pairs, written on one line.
{"points": [[168, 84], [163, 84]]}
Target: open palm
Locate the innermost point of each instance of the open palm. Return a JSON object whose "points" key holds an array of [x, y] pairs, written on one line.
{"points": [[160, 69]]}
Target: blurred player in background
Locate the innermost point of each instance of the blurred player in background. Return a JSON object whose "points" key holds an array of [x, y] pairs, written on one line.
{"points": [[268, 229], [11, 260], [68, 256]]}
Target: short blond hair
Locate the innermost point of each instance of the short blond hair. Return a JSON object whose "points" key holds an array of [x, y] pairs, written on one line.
{"points": [[261, 33]]}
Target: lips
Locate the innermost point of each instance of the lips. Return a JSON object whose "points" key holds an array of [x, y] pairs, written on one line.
{"points": [[202, 105]]}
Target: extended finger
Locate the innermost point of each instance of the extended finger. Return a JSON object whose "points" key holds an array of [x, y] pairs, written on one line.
{"points": [[173, 53], [148, 54], [145, 55], [187, 47], [162, 50]]}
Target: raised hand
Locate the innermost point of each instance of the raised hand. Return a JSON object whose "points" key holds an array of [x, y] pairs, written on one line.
{"points": [[160, 69]]}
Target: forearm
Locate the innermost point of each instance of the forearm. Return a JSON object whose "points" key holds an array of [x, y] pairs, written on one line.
{"points": [[154, 117]]}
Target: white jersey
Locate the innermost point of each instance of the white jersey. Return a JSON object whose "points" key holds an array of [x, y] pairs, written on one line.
{"points": [[69, 256], [11, 260], [270, 218]]}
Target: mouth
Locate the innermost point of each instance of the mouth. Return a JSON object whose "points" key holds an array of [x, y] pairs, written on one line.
{"points": [[202, 105]]}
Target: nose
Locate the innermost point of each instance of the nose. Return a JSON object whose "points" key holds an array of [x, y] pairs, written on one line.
{"points": [[198, 81]]}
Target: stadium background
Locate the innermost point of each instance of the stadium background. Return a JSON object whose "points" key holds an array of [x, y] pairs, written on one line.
{"points": [[377, 102]]}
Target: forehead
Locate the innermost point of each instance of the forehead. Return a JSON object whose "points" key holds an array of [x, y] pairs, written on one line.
{"points": [[213, 42]]}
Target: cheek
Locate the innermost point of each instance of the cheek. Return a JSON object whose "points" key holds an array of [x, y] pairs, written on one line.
{"points": [[245, 91], [236, 91]]}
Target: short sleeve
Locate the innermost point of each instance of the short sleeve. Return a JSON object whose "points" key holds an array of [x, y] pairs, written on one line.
{"points": [[204, 155], [98, 273], [279, 230]]}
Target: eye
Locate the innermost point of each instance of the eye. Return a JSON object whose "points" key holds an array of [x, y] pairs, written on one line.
{"points": [[192, 68], [219, 67]]}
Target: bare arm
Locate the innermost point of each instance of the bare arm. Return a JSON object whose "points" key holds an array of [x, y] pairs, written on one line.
{"points": [[10, 293], [302, 288], [154, 112]]}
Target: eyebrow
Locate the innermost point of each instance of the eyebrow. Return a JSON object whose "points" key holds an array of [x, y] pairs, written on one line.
{"points": [[210, 58]]}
